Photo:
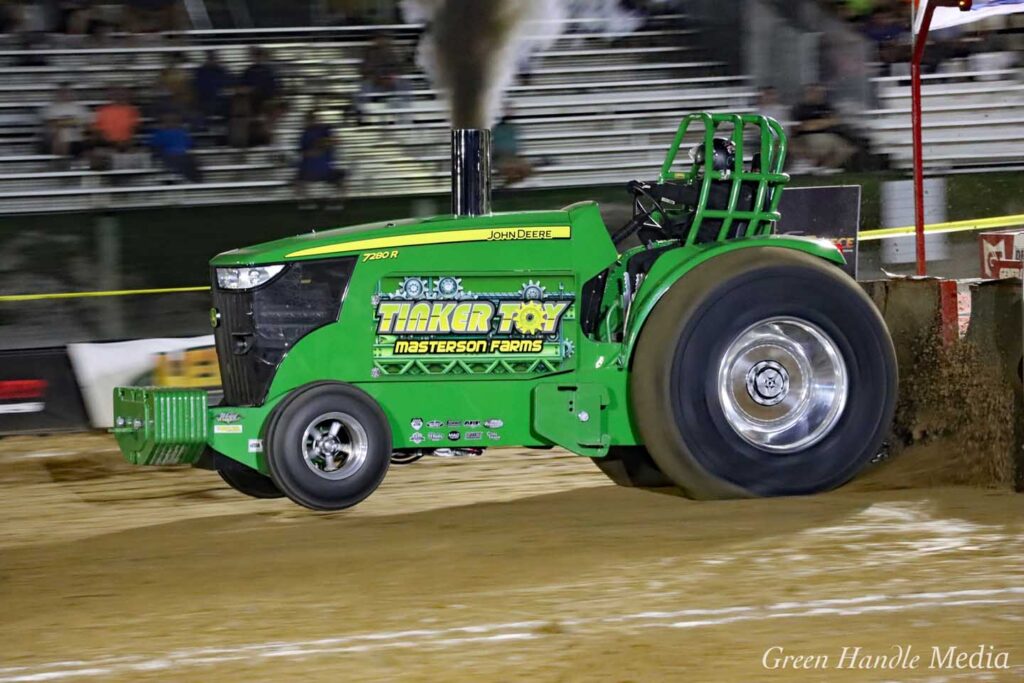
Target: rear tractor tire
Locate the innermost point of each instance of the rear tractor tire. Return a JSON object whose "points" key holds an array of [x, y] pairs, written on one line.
{"points": [[632, 467], [763, 372]]}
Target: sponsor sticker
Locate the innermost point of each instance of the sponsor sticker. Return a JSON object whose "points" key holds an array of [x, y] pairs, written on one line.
{"points": [[494, 424], [255, 445], [474, 436], [228, 418], [471, 423], [417, 438], [494, 436], [435, 436], [417, 423], [481, 319], [454, 423], [435, 424], [227, 429], [454, 435]]}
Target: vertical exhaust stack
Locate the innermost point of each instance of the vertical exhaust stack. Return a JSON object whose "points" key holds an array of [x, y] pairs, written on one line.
{"points": [[471, 171]]}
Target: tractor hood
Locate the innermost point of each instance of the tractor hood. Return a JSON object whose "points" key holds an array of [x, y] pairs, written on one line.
{"points": [[388, 235]]}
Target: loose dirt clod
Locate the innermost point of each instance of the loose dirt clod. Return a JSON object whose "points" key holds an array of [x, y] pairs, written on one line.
{"points": [[954, 421]]}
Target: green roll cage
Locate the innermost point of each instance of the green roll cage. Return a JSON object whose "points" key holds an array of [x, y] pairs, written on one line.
{"points": [[768, 174]]}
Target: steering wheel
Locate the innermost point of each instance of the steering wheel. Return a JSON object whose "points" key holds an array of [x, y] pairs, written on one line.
{"points": [[645, 207]]}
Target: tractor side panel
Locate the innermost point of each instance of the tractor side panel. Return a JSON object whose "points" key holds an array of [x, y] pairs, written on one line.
{"points": [[452, 339], [677, 263]]}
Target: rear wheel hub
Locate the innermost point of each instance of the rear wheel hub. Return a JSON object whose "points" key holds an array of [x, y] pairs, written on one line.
{"points": [[782, 384]]}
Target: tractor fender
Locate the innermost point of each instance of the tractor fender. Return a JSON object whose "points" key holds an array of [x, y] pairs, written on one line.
{"points": [[676, 263]]}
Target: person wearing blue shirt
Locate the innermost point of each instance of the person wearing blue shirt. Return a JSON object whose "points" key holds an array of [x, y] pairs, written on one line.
{"points": [[317, 149], [172, 145], [211, 82]]}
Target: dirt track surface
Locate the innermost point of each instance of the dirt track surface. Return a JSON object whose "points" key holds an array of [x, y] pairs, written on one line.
{"points": [[513, 566]]}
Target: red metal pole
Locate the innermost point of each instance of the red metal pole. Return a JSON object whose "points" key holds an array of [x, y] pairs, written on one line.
{"points": [[920, 40]]}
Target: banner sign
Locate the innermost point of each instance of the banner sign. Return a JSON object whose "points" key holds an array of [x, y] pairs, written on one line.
{"points": [[38, 393], [981, 9], [184, 363], [831, 213], [1001, 254]]}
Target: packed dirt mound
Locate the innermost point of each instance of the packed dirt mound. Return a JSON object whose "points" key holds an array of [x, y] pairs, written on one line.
{"points": [[954, 421]]}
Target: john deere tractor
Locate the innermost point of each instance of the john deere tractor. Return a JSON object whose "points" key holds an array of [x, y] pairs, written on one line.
{"points": [[713, 356]]}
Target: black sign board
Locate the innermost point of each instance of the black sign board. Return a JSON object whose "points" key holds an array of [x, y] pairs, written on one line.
{"points": [[831, 213], [39, 393]]}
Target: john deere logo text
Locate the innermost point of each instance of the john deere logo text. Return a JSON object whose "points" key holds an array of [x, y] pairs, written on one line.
{"points": [[529, 318], [505, 234]]}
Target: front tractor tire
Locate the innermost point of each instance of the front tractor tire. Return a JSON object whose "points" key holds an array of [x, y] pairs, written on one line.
{"points": [[244, 479], [763, 372], [328, 446]]}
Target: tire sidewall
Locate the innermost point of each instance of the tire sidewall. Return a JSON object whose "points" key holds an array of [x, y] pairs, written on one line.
{"points": [[287, 465], [697, 447]]}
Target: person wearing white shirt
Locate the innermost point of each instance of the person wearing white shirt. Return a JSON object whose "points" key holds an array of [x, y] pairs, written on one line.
{"points": [[66, 121]]}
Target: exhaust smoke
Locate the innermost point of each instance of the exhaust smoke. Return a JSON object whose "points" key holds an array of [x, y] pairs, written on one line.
{"points": [[473, 48]]}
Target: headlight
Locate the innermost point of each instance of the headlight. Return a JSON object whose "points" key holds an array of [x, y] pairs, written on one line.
{"points": [[246, 278]]}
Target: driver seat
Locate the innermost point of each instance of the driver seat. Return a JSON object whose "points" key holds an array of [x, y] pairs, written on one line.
{"points": [[718, 200]]}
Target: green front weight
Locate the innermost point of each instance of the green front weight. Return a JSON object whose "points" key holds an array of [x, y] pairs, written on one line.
{"points": [[160, 426]]}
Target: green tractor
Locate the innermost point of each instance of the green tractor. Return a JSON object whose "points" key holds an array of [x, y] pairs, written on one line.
{"points": [[714, 356]]}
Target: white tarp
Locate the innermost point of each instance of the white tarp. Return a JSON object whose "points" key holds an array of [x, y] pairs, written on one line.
{"points": [[100, 368], [982, 9]]}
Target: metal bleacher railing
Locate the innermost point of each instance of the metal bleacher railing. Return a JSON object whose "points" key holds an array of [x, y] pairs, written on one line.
{"points": [[596, 105], [973, 120]]}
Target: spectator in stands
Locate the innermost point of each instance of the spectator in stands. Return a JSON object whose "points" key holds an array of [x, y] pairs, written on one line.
{"points": [[246, 127], [768, 104], [25, 17], [820, 139], [890, 32], [65, 122], [172, 144], [381, 75], [147, 16], [317, 155], [210, 84], [512, 167], [260, 84], [856, 10], [9, 19], [115, 125], [29, 46], [72, 17], [174, 87], [260, 79]]}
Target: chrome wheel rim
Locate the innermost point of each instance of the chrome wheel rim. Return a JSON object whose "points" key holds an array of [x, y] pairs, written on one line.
{"points": [[334, 446], [783, 384]]}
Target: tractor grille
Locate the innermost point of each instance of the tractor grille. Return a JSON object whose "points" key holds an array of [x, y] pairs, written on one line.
{"points": [[259, 326]]}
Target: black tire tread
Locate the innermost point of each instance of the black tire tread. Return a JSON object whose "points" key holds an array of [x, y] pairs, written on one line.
{"points": [[245, 480], [650, 382], [632, 467]]}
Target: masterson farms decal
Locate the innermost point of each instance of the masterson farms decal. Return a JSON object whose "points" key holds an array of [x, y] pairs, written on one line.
{"points": [[448, 325]]}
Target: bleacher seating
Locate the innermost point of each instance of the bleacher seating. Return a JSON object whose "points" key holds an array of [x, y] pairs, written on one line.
{"points": [[972, 120], [598, 107]]}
